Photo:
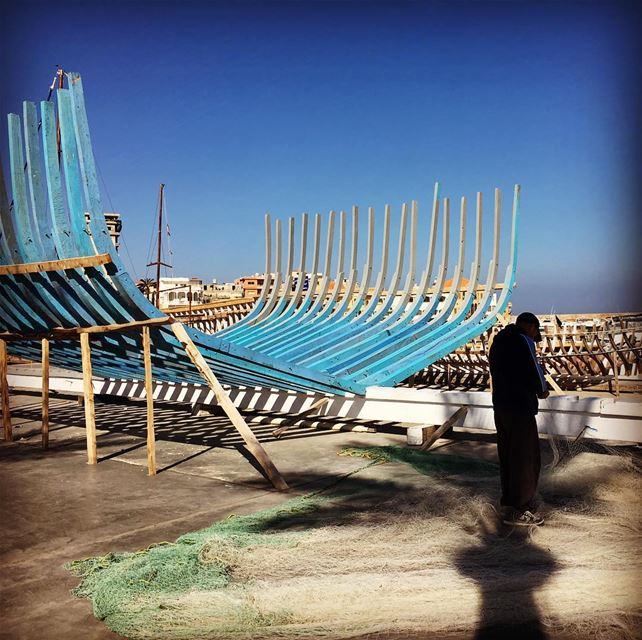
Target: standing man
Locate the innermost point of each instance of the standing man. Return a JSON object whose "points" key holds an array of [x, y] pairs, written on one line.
{"points": [[518, 381]]}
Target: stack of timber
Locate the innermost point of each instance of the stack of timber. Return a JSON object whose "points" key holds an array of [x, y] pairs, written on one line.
{"points": [[578, 352]]}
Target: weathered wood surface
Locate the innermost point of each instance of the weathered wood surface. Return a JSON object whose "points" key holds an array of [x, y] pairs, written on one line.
{"points": [[230, 409], [45, 393], [88, 396], [54, 265], [149, 398], [441, 431]]}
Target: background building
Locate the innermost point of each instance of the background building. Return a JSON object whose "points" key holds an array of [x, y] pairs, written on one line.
{"points": [[114, 226], [214, 291], [180, 291], [251, 285]]}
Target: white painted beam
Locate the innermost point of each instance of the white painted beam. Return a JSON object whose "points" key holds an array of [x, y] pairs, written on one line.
{"points": [[608, 418]]}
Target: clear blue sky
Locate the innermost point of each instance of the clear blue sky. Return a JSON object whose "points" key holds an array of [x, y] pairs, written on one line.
{"points": [[242, 108]]}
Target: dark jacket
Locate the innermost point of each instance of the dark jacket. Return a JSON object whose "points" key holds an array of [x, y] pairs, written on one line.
{"points": [[517, 377]]}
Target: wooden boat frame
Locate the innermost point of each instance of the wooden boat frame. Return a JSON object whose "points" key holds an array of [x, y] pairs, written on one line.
{"points": [[63, 282]]}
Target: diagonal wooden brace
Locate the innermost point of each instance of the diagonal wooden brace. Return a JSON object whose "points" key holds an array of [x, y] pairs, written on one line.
{"points": [[460, 414], [229, 407], [277, 433]]}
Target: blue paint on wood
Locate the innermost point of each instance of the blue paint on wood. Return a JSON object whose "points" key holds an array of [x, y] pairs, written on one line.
{"points": [[26, 248], [34, 174], [64, 238]]}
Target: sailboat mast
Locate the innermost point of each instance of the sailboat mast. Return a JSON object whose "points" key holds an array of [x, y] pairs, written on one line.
{"points": [[159, 245], [158, 248]]}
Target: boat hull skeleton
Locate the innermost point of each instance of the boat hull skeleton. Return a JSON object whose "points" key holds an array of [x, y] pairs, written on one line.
{"points": [[339, 330]]}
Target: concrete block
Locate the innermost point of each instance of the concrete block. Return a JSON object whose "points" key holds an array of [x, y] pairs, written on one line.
{"points": [[417, 434]]}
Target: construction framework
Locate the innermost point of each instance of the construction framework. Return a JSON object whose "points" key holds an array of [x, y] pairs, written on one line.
{"points": [[65, 296], [576, 353]]}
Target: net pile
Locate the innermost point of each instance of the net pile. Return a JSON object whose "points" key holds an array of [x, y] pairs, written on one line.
{"points": [[429, 556]]}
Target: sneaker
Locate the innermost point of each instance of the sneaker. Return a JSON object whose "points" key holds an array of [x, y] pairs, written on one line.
{"points": [[524, 519]]}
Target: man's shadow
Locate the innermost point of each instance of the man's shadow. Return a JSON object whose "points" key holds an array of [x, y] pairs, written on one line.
{"points": [[509, 568]]}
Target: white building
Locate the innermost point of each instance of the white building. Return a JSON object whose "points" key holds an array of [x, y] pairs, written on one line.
{"points": [[114, 226], [179, 292], [222, 291]]}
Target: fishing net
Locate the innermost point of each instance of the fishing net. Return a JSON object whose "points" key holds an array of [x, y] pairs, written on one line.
{"points": [[411, 543]]}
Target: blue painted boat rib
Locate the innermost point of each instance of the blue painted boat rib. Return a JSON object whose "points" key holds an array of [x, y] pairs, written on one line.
{"points": [[338, 330]]}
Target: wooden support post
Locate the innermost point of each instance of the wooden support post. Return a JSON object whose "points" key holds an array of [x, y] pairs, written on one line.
{"points": [[88, 391], [45, 393], [460, 414], [4, 391], [229, 407], [149, 394]]}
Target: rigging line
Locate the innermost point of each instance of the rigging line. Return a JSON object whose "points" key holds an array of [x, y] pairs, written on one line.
{"points": [[131, 262], [100, 174], [113, 209]]}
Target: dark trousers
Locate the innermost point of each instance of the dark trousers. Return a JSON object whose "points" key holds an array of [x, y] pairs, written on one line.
{"points": [[519, 458]]}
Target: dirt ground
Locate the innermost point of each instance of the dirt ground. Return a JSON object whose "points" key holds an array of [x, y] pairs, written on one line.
{"points": [[55, 509]]}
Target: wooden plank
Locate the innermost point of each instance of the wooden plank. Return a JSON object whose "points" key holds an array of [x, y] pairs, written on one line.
{"points": [[89, 175], [460, 414], [107, 328], [88, 394], [55, 265], [45, 393], [229, 407], [4, 391], [73, 179], [149, 395], [556, 387], [417, 434], [61, 333], [63, 237], [34, 175], [26, 248]]}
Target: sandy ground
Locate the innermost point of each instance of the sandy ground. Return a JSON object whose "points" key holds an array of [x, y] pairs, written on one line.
{"points": [[441, 566]]}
